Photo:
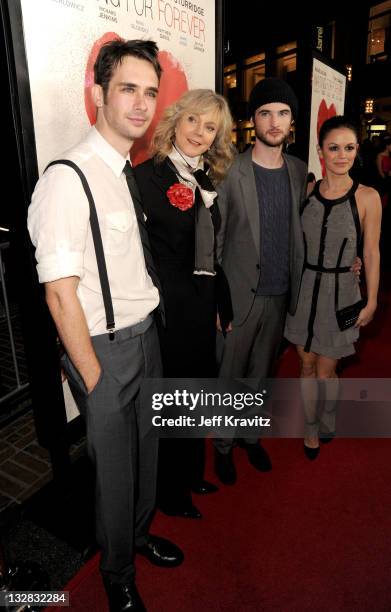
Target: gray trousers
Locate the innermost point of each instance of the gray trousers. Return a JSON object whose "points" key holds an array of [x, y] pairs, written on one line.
{"points": [[125, 462], [250, 350]]}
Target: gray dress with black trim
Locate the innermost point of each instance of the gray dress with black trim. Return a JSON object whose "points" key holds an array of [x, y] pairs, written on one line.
{"points": [[331, 231]]}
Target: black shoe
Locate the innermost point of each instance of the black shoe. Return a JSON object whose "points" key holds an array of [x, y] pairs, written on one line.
{"points": [[160, 551], [258, 457], [204, 487], [225, 467], [186, 510], [123, 597], [311, 453]]}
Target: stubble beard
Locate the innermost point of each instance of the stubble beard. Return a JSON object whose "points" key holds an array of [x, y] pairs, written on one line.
{"points": [[271, 142]]}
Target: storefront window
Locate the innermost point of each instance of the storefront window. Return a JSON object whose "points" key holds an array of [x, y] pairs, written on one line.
{"points": [[254, 59], [253, 71], [251, 78], [229, 79], [286, 58], [286, 64], [379, 32], [287, 47]]}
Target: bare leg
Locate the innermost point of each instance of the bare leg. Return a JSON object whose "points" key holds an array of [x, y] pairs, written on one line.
{"points": [[326, 372], [310, 396]]}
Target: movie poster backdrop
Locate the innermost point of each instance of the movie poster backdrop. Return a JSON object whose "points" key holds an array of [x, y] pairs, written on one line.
{"points": [[327, 100], [62, 39]]}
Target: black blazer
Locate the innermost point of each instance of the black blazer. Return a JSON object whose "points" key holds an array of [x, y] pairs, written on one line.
{"points": [[154, 179]]}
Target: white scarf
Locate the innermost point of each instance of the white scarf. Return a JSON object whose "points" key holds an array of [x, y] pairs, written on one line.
{"points": [[186, 166]]}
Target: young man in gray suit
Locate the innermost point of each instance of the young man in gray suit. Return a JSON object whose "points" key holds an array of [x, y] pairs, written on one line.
{"points": [[261, 250]]}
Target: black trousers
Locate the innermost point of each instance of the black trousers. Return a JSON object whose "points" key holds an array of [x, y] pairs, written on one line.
{"points": [[125, 461], [181, 465]]}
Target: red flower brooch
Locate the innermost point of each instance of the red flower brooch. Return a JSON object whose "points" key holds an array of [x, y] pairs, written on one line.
{"points": [[180, 196]]}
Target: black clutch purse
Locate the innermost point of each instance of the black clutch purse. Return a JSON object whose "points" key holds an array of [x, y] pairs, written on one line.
{"points": [[346, 317]]}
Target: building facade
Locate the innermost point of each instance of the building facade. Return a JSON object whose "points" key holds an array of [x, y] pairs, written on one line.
{"points": [[354, 37]]}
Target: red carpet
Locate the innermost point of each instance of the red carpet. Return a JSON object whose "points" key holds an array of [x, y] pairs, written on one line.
{"points": [[306, 536]]}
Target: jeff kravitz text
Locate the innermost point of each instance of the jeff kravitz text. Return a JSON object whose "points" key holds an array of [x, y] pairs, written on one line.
{"points": [[215, 421]]}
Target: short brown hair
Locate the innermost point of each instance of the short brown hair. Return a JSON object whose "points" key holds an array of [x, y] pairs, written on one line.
{"points": [[112, 53]]}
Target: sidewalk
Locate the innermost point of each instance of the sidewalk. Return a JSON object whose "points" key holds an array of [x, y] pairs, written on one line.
{"points": [[24, 465]]}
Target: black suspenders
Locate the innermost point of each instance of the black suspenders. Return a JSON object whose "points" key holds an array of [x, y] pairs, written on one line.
{"points": [[98, 245]]}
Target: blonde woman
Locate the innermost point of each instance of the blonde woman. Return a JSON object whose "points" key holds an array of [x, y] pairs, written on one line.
{"points": [[191, 153]]}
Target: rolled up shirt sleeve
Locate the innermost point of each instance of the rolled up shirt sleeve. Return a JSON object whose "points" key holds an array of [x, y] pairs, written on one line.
{"points": [[58, 221]]}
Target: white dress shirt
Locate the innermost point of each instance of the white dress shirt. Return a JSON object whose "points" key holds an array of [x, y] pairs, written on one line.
{"points": [[58, 222]]}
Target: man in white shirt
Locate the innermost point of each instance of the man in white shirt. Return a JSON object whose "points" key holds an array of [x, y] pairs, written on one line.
{"points": [[104, 369]]}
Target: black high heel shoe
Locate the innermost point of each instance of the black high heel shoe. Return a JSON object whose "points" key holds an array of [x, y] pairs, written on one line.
{"points": [[311, 453], [185, 510]]}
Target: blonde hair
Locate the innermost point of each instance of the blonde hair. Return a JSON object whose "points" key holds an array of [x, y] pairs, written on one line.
{"points": [[198, 101]]}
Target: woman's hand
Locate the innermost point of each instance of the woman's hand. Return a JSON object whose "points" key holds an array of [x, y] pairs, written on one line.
{"points": [[366, 315]]}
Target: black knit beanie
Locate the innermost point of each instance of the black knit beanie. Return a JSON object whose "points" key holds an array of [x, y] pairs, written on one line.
{"points": [[272, 90]]}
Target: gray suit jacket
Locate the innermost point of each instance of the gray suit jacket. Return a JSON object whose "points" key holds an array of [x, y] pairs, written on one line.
{"points": [[238, 240]]}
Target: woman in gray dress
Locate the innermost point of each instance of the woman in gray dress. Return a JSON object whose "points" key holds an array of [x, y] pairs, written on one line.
{"points": [[335, 216]]}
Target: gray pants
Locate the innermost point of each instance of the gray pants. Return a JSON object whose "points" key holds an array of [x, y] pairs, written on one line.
{"points": [[250, 351], [125, 462]]}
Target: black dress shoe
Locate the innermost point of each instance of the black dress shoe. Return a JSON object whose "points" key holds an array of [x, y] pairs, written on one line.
{"points": [[123, 597], [160, 551], [258, 457], [204, 487], [225, 467], [186, 510], [311, 453]]}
